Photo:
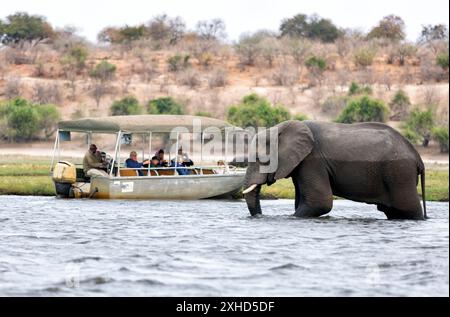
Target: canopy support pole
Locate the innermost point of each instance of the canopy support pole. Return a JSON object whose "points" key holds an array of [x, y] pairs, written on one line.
{"points": [[115, 153], [54, 150]]}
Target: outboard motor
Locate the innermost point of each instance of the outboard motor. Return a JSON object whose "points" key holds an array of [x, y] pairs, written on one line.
{"points": [[64, 175]]}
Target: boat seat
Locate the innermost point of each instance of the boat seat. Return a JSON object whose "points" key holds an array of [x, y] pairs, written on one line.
{"points": [[81, 177], [208, 172], [166, 172], [126, 172]]}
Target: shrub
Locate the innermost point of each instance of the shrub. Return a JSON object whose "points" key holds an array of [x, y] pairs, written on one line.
{"points": [[421, 123], [301, 117], [203, 114], [256, 111], [400, 105], [312, 27], [364, 56], [316, 62], [23, 120], [165, 105], [178, 62], [356, 89], [126, 106], [442, 60], [248, 49], [104, 71], [440, 134], [364, 109], [48, 119]]}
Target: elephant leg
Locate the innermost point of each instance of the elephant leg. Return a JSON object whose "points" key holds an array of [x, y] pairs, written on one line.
{"points": [[297, 193], [313, 190], [404, 204]]}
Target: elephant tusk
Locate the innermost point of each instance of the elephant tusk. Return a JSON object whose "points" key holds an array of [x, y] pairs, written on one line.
{"points": [[251, 188]]}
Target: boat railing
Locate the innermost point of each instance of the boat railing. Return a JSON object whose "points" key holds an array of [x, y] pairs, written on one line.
{"points": [[194, 170]]}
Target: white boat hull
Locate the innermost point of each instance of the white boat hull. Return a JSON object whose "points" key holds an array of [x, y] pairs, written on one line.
{"points": [[166, 187]]}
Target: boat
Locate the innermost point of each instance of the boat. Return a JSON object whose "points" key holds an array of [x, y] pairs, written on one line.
{"points": [[162, 183]]}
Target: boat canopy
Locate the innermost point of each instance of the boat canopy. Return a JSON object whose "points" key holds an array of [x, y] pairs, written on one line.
{"points": [[141, 124]]}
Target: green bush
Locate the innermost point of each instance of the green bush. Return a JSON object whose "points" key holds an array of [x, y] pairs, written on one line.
{"points": [[440, 134], [256, 111], [421, 123], [178, 62], [356, 89], [364, 109], [410, 135], [316, 62], [104, 71], [166, 105], [301, 117], [48, 118], [203, 114], [400, 105], [364, 56], [22, 120], [442, 60], [126, 106]]}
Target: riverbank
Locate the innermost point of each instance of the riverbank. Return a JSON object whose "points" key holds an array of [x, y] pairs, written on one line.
{"points": [[25, 175]]}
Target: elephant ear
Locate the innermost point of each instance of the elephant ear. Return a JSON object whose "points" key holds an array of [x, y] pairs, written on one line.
{"points": [[295, 142]]}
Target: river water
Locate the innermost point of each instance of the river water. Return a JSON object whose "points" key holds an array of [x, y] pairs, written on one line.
{"points": [[55, 247]]}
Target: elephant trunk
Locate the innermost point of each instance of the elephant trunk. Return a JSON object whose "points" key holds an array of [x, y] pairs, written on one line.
{"points": [[253, 203]]}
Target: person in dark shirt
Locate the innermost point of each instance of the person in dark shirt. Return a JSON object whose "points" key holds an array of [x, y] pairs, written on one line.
{"points": [[132, 162]]}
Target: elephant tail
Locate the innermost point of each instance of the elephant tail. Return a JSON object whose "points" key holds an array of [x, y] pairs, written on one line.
{"points": [[422, 184]]}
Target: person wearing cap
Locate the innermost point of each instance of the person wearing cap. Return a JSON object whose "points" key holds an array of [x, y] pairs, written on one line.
{"points": [[93, 164]]}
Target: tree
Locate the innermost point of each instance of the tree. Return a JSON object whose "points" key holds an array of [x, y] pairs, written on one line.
{"points": [[166, 105], [104, 71], [25, 120], [364, 109], [391, 27], [126, 106], [162, 29], [442, 60], [400, 105], [421, 124], [440, 134], [211, 29], [255, 111], [24, 27], [123, 35], [432, 33], [48, 118], [316, 67], [313, 27], [248, 49]]}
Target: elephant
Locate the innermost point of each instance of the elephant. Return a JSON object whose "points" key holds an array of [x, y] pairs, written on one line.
{"points": [[365, 162]]}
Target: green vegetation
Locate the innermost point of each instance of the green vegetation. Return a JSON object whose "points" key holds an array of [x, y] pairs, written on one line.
{"points": [[419, 126], [300, 117], [103, 71], [400, 105], [18, 177], [356, 89], [76, 58], [203, 114], [126, 106], [312, 27], [24, 120], [178, 62], [166, 105], [364, 109], [316, 62], [24, 27], [436, 189], [391, 27], [442, 60], [255, 111], [364, 56], [440, 134]]}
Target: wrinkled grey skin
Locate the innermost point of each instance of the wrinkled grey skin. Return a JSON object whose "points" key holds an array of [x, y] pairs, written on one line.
{"points": [[364, 162]]}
